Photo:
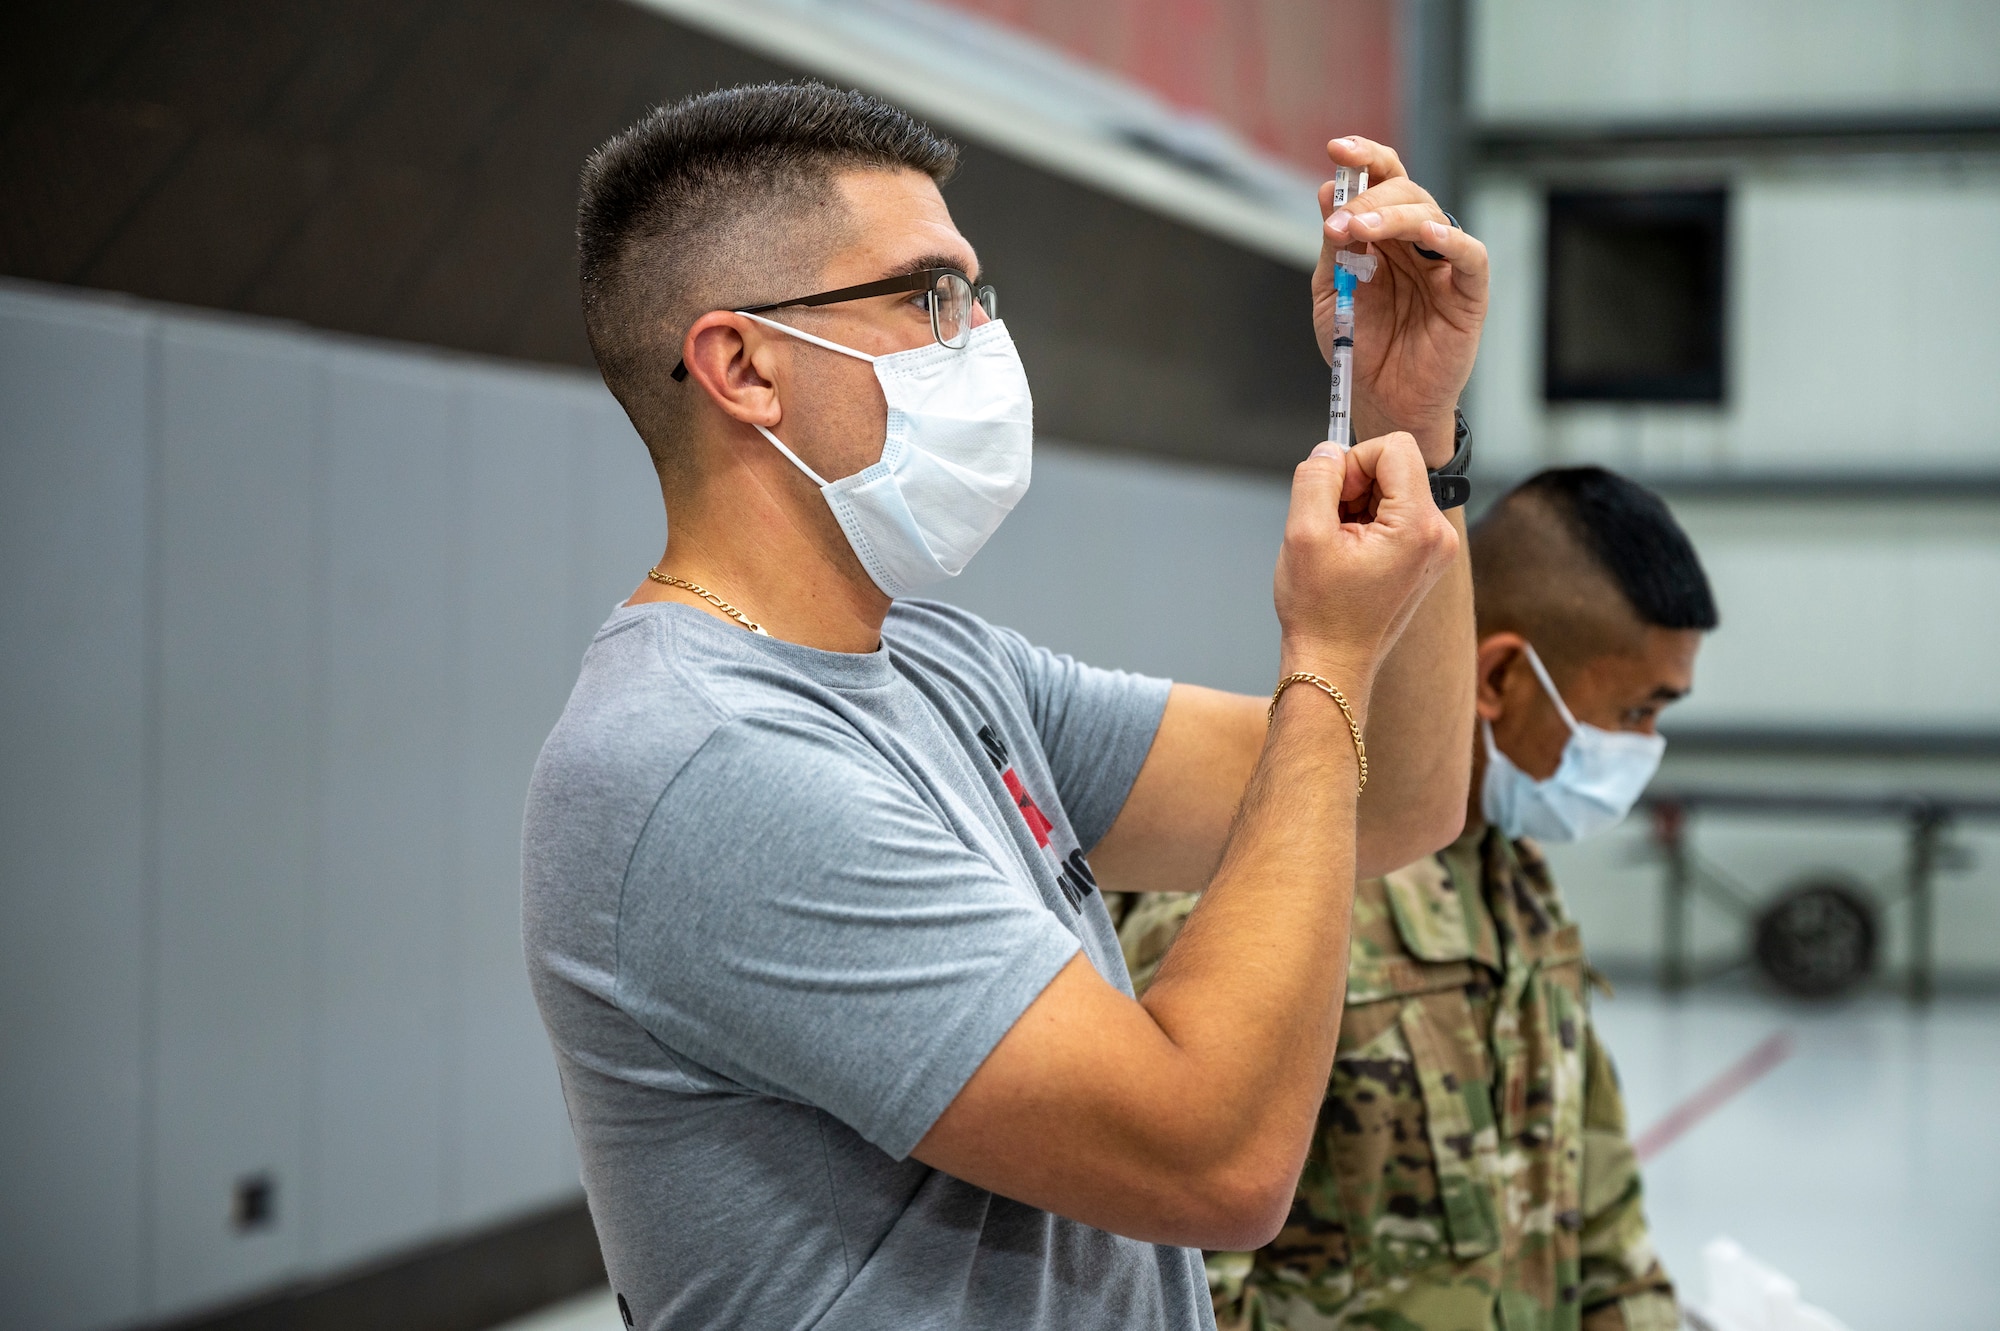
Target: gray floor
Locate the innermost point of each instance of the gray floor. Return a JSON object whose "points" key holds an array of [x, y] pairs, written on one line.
{"points": [[1865, 1166], [585, 1312]]}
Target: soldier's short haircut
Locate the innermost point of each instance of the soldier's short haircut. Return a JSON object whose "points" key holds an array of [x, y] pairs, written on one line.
{"points": [[720, 200], [1579, 560]]}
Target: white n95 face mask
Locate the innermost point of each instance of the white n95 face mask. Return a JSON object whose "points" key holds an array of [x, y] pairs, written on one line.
{"points": [[1602, 775], [956, 460]]}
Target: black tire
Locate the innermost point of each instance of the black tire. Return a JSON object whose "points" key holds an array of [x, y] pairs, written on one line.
{"points": [[1817, 940]]}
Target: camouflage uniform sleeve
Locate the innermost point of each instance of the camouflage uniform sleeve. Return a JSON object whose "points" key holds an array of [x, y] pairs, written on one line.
{"points": [[1624, 1286], [1149, 927]]}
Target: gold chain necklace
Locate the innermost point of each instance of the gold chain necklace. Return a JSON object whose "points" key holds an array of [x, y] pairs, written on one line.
{"points": [[708, 596]]}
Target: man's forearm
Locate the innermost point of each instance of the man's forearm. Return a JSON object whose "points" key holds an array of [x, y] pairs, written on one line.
{"points": [[1420, 728], [1185, 1120], [1252, 992]]}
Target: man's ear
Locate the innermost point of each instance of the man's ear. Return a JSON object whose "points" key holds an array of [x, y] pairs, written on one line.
{"points": [[1498, 654], [734, 363]]}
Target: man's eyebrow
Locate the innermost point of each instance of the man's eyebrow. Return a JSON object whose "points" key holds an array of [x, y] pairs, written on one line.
{"points": [[936, 261], [1665, 694]]}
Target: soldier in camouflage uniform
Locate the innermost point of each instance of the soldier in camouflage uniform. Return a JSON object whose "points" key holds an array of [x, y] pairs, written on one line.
{"points": [[1471, 1169]]}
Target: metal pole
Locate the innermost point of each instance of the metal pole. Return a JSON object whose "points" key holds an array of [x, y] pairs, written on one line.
{"points": [[1433, 41], [1670, 834], [1926, 827]]}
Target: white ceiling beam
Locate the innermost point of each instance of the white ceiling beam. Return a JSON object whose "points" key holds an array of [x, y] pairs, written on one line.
{"points": [[1090, 154]]}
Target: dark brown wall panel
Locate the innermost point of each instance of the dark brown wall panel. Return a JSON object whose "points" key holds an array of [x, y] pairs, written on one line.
{"points": [[407, 169]]}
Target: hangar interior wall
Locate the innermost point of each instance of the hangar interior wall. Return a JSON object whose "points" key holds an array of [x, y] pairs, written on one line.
{"points": [[289, 615]]}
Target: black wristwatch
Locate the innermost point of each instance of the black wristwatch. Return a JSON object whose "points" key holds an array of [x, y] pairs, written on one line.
{"points": [[1450, 487]]}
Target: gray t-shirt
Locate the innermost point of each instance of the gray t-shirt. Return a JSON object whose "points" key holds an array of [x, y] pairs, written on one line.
{"points": [[779, 905]]}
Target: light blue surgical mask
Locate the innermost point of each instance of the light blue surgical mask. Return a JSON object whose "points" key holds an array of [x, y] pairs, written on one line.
{"points": [[958, 457], [1602, 775]]}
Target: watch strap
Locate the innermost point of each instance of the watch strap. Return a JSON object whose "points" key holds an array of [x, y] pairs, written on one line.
{"points": [[1450, 487]]}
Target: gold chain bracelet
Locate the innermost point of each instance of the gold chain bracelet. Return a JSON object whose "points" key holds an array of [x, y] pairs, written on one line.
{"points": [[1339, 700]]}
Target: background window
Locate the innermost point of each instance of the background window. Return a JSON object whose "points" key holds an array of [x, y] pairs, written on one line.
{"points": [[1633, 306]]}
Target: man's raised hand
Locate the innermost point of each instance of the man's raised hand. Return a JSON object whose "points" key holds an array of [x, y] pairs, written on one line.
{"points": [[1363, 544], [1417, 323]]}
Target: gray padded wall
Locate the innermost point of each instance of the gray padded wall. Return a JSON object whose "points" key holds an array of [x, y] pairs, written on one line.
{"points": [[286, 620], [74, 403], [517, 642], [393, 555], [239, 728]]}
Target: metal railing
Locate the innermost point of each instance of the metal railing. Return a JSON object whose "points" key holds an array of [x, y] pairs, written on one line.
{"points": [[1928, 819]]}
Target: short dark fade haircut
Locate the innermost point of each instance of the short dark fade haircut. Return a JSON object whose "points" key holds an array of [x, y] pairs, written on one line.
{"points": [[713, 202], [1552, 551]]}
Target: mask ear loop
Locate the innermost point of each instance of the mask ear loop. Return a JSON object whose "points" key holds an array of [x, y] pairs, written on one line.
{"points": [[803, 336], [779, 444], [1549, 685]]}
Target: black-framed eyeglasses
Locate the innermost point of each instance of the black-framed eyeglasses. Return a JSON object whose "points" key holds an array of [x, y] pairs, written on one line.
{"points": [[949, 293]]}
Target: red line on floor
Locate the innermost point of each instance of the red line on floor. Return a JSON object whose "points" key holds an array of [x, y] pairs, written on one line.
{"points": [[1725, 1086]]}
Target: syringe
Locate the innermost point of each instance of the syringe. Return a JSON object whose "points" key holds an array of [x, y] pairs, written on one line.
{"points": [[1349, 268]]}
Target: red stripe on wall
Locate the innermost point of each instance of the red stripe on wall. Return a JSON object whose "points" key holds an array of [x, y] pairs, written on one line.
{"points": [[1285, 75]]}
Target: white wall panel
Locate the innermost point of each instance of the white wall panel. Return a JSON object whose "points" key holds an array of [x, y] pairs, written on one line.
{"points": [[1846, 360], [1954, 45], [239, 726], [1503, 401], [1785, 54], [510, 1143], [1533, 58], [74, 904], [1836, 360], [1848, 615], [390, 841], [1557, 59]]}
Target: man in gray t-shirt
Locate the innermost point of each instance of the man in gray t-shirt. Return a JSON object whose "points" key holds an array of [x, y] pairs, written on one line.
{"points": [[811, 866], [802, 895]]}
